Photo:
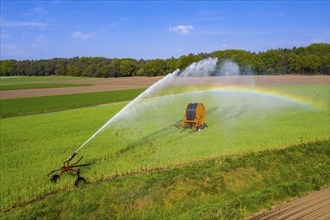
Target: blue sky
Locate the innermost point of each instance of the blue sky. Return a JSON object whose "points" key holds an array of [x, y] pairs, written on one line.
{"points": [[156, 29]]}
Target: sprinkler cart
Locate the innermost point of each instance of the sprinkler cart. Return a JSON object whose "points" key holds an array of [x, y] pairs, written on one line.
{"points": [[72, 168]]}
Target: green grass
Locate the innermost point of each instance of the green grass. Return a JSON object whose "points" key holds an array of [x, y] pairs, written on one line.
{"points": [[232, 187], [34, 79], [44, 104], [145, 138], [39, 86]]}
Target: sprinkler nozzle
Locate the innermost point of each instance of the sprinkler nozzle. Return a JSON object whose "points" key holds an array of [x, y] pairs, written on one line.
{"points": [[71, 157]]}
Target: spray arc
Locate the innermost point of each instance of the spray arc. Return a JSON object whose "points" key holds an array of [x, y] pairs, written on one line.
{"points": [[194, 117], [224, 79], [205, 66], [69, 167]]}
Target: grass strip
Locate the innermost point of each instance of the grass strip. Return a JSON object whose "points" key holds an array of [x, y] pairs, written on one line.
{"points": [[35, 105], [39, 86], [33, 79], [232, 187]]}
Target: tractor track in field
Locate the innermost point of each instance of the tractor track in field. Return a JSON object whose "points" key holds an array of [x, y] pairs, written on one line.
{"points": [[315, 205]]}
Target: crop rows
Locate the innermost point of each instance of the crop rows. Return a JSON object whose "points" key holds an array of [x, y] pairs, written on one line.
{"points": [[145, 138], [35, 105]]}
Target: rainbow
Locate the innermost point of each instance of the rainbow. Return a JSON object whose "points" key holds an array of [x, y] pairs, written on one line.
{"points": [[266, 92]]}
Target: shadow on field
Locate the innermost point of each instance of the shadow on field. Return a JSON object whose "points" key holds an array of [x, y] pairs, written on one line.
{"points": [[231, 112], [149, 140], [212, 110]]}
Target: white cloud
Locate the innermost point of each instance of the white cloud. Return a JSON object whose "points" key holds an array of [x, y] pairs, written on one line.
{"points": [[26, 24], [36, 11], [182, 29], [224, 45], [76, 34], [82, 36]]}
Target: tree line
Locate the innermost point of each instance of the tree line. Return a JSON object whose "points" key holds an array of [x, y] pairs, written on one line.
{"points": [[313, 59]]}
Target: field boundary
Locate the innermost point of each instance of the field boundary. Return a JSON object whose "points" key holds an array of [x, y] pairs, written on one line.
{"points": [[299, 207], [99, 85], [47, 104], [110, 84], [26, 86]]}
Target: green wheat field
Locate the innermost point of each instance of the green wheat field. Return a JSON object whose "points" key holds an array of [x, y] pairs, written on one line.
{"points": [[142, 162]]}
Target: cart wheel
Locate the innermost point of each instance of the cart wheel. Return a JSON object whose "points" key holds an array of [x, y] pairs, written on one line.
{"points": [[54, 178], [79, 179]]}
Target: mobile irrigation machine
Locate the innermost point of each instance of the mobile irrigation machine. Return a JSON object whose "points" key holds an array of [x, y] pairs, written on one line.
{"points": [[73, 168], [194, 117]]}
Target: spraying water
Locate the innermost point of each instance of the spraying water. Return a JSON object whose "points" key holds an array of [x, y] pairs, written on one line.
{"points": [[240, 115], [203, 68], [229, 68], [199, 73], [153, 88]]}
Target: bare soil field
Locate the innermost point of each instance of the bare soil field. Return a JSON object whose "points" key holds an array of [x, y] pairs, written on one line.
{"points": [[314, 206], [101, 85], [252, 80], [109, 84]]}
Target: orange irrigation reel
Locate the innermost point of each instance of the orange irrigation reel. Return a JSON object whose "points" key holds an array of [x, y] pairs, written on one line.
{"points": [[194, 117]]}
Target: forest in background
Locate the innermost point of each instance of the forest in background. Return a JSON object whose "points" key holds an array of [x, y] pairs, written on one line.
{"points": [[311, 60]]}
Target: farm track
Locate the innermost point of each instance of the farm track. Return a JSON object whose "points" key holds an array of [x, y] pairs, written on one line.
{"points": [[110, 84], [314, 206]]}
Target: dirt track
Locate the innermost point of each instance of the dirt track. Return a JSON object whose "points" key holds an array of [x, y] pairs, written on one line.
{"points": [[144, 82], [315, 206]]}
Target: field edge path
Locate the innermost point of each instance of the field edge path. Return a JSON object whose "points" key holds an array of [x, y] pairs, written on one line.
{"points": [[315, 205]]}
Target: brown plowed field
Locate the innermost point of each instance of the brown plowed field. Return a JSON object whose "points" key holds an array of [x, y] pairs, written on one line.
{"points": [[315, 206], [255, 80], [144, 82], [101, 85]]}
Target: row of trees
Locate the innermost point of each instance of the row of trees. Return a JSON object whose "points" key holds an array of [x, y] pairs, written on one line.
{"points": [[313, 59]]}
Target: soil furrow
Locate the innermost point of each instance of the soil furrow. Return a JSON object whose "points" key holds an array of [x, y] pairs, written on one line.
{"points": [[313, 206], [296, 210]]}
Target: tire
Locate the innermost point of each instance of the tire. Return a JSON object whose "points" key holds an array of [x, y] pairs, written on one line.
{"points": [[54, 178], [198, 129], [78, 180]]}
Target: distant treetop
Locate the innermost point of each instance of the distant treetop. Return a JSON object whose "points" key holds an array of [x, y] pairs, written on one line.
{"points": [[313, 59]]}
